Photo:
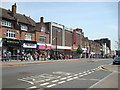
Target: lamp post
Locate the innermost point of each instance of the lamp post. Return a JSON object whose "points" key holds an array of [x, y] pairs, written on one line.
{"points": [[56, 42]]}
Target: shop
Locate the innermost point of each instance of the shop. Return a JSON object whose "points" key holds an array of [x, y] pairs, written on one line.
{"points": [[29, 46], [11, 45], [43, 48], [0, 48], [66, 50]]}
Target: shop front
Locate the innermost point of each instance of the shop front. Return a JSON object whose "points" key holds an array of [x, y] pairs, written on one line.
{"points": [[43, 48], [29, 46], [11, 45], [0, 48], [65, 50]]}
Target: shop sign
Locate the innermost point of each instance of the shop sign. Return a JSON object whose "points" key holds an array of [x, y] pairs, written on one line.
{"points": [[29, 45], [10, 41], [74, 48], [74, 36], [43, 47]]}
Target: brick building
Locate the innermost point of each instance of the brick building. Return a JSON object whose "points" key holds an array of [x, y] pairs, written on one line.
{"points": [[21, 34]]}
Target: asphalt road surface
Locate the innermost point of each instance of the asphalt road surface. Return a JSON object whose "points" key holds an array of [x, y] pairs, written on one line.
{"points": [[68, 74]]}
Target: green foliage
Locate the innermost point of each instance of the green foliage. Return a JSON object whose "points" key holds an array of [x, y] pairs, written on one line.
{"points": [[79, 50]]}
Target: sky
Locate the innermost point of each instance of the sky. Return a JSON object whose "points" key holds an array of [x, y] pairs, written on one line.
{"points": [[97, 19]]}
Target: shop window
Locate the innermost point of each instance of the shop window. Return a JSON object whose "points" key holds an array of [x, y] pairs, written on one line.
{"points": [[6, 23], [23, 27], [42, 39], [10, 34], [28, 36]]}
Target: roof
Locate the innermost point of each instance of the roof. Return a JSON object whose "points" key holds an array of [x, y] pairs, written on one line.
{"points": [[21, 18]]}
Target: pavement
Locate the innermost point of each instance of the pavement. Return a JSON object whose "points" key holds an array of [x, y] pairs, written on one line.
{"points": [[111, 81]]}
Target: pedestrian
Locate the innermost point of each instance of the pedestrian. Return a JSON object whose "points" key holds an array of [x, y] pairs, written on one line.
{"points": [[4, 56], [22, 57], [9, 56], [38, 56]]}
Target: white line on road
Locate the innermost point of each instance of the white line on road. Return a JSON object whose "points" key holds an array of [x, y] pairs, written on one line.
{"points": [[76, 74], [51, 85], [32, 87], [55, 81], [44, 84], [69, 76], [100, 81], [26, 81], [75, 77], [81, 75], [70, 79], [61, 82], [63, 78]]}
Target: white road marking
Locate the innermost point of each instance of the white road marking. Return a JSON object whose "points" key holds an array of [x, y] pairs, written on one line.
{"points": [[61, 82], [44, 84], [55, 81], [88, 72], [51, 85], [76, 74], [75, 77], [32, 87], [63, 78], [81, 75], [100, 81], [26, 81], [69, 76], [70, 79], [47, 79]]}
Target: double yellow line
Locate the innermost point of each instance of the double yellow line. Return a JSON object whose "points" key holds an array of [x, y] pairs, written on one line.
{"points": [[102, 67]]}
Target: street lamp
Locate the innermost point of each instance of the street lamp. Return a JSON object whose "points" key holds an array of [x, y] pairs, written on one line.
{"points": [[56, 42]]}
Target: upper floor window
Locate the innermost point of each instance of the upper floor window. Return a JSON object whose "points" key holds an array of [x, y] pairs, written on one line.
{"points": [[23, 27], [6, 23], [42, 39], [10, 34], [28, 36], [43, 29]]}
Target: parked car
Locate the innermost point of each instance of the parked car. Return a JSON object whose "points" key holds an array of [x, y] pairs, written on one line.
{"points": [[116, 60]]}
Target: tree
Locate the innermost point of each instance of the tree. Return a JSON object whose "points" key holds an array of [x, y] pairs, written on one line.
{"points": [[79, 50]]}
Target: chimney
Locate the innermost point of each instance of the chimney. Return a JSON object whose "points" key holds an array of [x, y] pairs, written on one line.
{"points": [[41, 19], [14, 10]]}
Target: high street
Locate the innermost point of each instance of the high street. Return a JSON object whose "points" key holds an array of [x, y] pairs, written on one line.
{"points": [[79, 73]]}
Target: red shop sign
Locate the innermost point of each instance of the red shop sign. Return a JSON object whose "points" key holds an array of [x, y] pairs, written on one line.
{"points": [[74, 48]]}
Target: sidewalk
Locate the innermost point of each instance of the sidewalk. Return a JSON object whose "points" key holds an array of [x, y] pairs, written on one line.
{"points": [[30, 62], [112, 80]]}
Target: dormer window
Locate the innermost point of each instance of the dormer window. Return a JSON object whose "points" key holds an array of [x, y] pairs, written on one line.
{"points": [[23, 27], [6, 23], [43, 29]]}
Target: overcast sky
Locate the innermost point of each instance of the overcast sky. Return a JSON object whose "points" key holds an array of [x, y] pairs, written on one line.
{"points": [[97, 19]]}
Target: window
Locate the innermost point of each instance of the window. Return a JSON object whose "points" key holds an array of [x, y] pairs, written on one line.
{"points": [[10, 34], [6, 23], [23, 27], [56, 28], [42, 39], [28, 36], [43, 29]]}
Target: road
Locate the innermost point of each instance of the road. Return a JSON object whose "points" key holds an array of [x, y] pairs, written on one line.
{"points": [[68, 74]]}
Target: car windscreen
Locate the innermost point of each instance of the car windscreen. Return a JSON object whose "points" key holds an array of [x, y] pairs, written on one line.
{"points": [[117, 59]]}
